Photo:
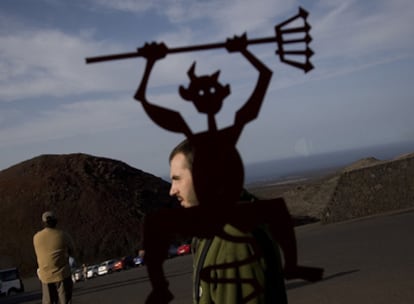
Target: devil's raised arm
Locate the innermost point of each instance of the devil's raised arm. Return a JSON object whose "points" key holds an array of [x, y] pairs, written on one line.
{"points": [[251, 108], [165, 118]]}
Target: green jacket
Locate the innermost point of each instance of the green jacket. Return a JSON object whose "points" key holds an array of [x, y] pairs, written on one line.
{"points": [[265, 270]]}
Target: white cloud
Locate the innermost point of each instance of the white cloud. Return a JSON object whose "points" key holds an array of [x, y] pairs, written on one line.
{"points": [[84, 117], [350, 30], [235, 17], [126, 5], [52, 63]]}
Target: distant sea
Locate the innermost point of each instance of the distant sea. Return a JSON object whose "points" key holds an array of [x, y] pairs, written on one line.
{"points": [[298, 168]]}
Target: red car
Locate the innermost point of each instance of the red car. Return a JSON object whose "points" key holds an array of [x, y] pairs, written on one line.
{"points": [[184, 249], [124, 263], [119, 265]]}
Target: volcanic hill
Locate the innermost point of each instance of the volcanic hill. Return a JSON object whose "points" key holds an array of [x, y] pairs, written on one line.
{"points": [[100, 202]]}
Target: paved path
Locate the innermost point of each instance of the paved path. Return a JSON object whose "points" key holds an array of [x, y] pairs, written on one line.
{"points": [[369, 260]]}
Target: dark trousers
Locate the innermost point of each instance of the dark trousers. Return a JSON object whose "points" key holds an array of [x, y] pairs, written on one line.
{"points": [[58, 292]]}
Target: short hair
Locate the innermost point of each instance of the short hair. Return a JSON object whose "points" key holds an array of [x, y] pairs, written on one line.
{"points": [[185, 148], [49, 219]]}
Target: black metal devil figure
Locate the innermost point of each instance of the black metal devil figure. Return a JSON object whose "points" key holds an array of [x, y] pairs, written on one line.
{"points": [[218, 173]]}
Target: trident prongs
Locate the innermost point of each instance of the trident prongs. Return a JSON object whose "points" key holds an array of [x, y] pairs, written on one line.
{"points": [[282, 33]]}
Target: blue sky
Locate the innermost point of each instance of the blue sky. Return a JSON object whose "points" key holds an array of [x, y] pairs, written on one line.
{"points": [[360, 93]]}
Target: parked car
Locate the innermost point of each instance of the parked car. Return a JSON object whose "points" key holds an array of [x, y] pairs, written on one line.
{"points": [[77, 274], [138, 261], [119, 265], [124, 263], [10, 282], [106, 267], [92, 271], [184, 249], [172, 251]]}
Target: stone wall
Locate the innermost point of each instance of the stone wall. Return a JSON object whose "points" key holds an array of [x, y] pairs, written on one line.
{"points": [[373, 189]]}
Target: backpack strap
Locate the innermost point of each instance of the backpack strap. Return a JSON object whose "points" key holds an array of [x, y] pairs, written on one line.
{"points": [[200, 265]]}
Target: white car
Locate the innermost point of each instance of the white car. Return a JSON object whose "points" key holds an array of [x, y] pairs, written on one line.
{"points": [[106, 267], [10, 282], [92, 271], [78, 275]]}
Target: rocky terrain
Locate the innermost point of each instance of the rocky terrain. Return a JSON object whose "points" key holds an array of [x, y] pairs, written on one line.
{"points": [[366, 187]]}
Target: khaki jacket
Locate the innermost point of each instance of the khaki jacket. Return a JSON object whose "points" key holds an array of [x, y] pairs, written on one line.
{"points": [[52, 247]]}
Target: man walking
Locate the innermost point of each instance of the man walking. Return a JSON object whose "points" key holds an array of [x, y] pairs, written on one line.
{"points": [[258, 281], [53, 248]]}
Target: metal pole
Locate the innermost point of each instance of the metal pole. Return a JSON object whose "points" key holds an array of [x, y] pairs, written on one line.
{"points": [[193, 48]]}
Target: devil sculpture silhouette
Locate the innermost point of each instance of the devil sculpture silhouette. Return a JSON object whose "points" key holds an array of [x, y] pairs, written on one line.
{"points": [[216, 160]]}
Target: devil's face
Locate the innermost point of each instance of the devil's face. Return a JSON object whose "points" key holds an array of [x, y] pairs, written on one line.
{"points": [[205, 92]]}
